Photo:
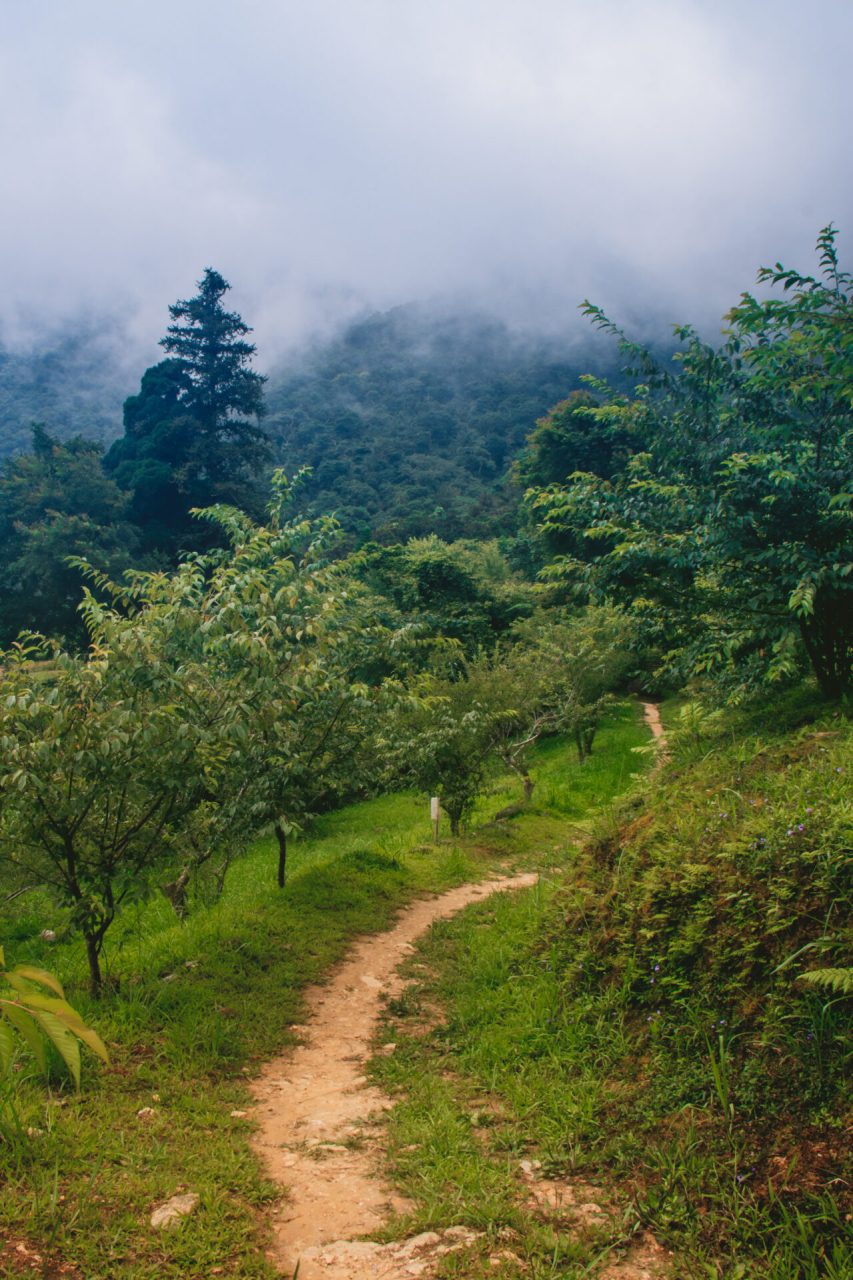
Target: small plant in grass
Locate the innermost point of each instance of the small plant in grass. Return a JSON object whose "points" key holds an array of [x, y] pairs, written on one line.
{"points": [[33, 1008]]}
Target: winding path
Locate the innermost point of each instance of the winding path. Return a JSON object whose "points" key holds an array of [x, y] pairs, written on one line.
{"points": [[317, 1114], [313, 1107]]}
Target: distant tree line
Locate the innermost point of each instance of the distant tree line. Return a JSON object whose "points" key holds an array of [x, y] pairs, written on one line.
{"points": [[708, 494]]}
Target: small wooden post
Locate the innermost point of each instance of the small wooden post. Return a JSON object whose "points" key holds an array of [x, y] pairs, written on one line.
{"points": [[435, 814]]}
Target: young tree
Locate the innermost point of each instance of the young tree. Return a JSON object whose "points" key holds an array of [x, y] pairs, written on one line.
{"points": [[106, 757], [296, 634], [443, 741], [556, 675]]}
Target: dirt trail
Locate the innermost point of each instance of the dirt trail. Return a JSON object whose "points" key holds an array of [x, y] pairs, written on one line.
{"points": [[314, 1107], [651, 715], [318, 1119]]}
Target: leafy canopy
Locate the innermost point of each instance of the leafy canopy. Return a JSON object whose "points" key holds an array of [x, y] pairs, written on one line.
{"points": [[727, 531]]}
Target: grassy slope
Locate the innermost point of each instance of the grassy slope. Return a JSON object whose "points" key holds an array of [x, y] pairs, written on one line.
{"points": [[198, 1003], [639, 1024]]}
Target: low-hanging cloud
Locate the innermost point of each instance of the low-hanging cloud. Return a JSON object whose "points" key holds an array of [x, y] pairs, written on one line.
{"points": [[331, 156]]}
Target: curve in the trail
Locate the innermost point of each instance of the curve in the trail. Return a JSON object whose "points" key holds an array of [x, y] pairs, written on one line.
{"points": [[313, 1107]]}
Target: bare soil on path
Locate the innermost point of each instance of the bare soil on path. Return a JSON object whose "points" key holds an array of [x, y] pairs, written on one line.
{"points": [[651, 715], [314, 1106]]}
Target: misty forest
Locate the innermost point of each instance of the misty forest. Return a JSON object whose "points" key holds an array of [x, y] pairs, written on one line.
{"points": [[606, 619], [425, 743]]}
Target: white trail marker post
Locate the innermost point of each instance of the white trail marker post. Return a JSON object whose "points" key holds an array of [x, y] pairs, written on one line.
{"points": [[435, 814]]}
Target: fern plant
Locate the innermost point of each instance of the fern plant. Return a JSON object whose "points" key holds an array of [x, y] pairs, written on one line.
{"points": [[838, 980], [33, 1008]]}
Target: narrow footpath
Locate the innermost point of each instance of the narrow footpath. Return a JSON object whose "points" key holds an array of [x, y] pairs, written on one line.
{"points": [[318, 1117], [314, 1108]]}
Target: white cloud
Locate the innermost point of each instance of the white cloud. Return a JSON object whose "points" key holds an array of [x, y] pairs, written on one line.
{"points": [[648, 152]]}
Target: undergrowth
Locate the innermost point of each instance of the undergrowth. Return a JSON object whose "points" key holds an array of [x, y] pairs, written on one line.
{"points": [[642, 1026]]}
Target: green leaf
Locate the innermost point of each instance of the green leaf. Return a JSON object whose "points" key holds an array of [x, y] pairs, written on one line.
{"points": [[64, 1041], [42, 976], [7, 1047], [840, 980], [24, 1023]]}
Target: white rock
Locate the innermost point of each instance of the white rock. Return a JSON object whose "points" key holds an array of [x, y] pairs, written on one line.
{"points": [[166, 1215], [426, 1240]]}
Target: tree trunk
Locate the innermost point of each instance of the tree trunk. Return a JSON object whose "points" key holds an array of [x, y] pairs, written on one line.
{"points": [[93, 955], [827, 638], [281, 837]]}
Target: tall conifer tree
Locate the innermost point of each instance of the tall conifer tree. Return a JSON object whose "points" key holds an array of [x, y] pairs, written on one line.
{"points": [[193, 435]]}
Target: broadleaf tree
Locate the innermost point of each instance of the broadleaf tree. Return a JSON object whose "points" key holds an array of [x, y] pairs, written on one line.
{"points": [[729, 535]]}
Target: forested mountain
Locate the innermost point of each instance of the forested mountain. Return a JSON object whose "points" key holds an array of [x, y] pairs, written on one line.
{"points": [[409, 420], [74, 382]]}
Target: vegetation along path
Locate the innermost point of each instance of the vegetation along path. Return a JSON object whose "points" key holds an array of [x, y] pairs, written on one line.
{"points": [[314, 1110]]}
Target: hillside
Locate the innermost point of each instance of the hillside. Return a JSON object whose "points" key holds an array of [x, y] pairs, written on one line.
{"points": [[651, 1049], [74, 382], [409, 420], [619, 1072]]}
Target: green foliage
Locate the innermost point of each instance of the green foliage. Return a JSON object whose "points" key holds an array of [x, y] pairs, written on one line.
{"points": [[569, 438], [640, 1027], [297, 633], [192, 434], [193, 1003], [443, 744], [572, 664], [409, 421], [728, 532], [33, 1005], [217, 699], [106, 759], [838, 980], [56, 502], [464, 590]]}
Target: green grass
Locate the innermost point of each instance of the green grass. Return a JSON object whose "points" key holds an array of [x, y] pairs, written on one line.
{"points": [[195, 1006], [637, 1023]]}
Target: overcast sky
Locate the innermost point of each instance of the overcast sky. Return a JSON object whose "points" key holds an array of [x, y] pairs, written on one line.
{"points": [[328, 155]]}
